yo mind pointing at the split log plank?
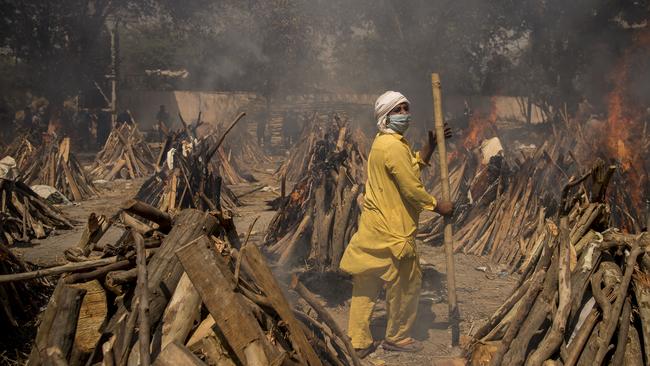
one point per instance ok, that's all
(176, 354)
(264, 278)
(229, 310)
(325, 316)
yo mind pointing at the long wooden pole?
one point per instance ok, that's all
(144, 335)
(454, 313)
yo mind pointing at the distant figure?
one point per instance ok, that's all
(162, 122)
(124, 117)
(261, 129)
(290, 129)
(28, 119)
(162, 116)
(103, 128)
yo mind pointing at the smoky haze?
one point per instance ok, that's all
(554, 52)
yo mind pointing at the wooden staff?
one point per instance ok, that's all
(454, 313)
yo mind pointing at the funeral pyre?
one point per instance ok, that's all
(187, 178)
(53, 164)
(317, 218)
(584, 296)
(125, 154)
(503, 195)
(24, 215)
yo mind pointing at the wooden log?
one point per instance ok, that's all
(229, 310)
(320, 229)
(149, 212)
(517, 321)
(183, 310)
(341, 222)
(325, 316)
(203, 330)
(554, 337)
(223, 136)
(214, 352)
(135, 224)
(176, 354)
(516, 354)
(129, 165)
(298, 237)
(142, 292)
(61, 333)
(164, 272)
(98, 273)
(95, 228)
(642, 293)
(74, 188)
(590, 348)
(116, 278)
(501, 312)
(633, 352)
(92, 316)
(261, 273)
(116, 168)
(70, 267)
(623, 332)
(40, 342)
(575, 347)
(609, 325)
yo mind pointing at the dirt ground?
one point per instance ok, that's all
(479, 293)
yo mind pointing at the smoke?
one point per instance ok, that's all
(555, 51)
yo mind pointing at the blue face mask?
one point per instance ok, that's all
(399, 122)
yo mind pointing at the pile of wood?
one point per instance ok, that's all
(55, 165)
(125, 154)
(501, 206)
(583, 298)
(185, 182)
(299, 154)
(194, 297)
(22, 149)
(227, 164)
(186, 176)
(21, 301)
(25, 216)
(242, 147)
(316, 220)
(501, 210)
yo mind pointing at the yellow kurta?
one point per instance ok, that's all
(393, 201)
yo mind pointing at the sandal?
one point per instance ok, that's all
(364, 352)
(409, 345)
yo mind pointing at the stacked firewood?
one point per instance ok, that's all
(584, 295)
(22, 149)
(24, 215)
(21, 301)
(186, 176)
(241, 146)
(185, 182)
(511, 205)
(316, 220)
(226, 164)
(501, 206)
(186, 292)
(55, 165)
(125, 154)
(296, 163)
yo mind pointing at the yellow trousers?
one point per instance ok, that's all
(402, 296)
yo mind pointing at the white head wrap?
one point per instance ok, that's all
(384, 104)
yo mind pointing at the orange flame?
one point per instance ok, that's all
(481, 126)
(623, 118)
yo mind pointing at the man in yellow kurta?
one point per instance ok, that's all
(382, 251)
